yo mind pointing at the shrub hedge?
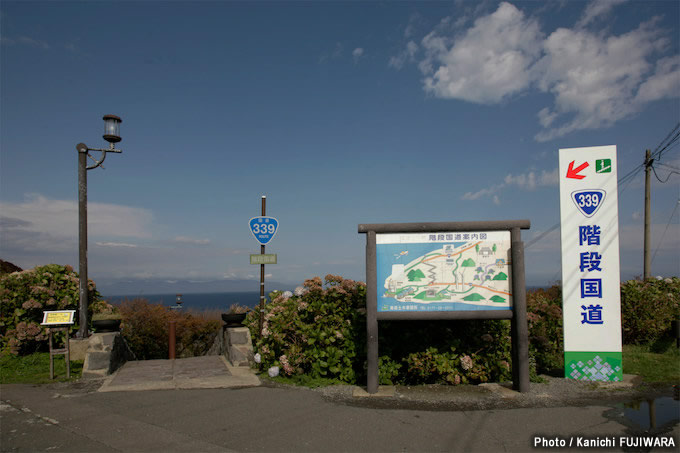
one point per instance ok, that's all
(145, 327)
(320, 332)
(25, 295)
(648, 307)
(315, 332)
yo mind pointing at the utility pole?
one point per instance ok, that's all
(647, 269)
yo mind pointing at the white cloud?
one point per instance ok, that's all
(115, 244)
(40, 230)
(527, 181)
(490, 62)
(595, 9)
(26, 41)
(192, 241)
(44, 224)
(665, 82)
(414, 21)
(357, 54)
(407, 55)
(336, 53)
(531, 180)
(595, 78)
(546, 117)
(481, 193)
(61, 217)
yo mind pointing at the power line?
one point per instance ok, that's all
(664, 231)
(665, 145)
(677, 126)
(669, 166)
(542, 235)
(630, 176)
(667, 177)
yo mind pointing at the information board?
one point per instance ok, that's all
(444, 271)
(57, 317)
(590, 263)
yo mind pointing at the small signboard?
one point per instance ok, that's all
(590, 263)
(268, 258)
(58, 317)
(444, 271)
(263, 228)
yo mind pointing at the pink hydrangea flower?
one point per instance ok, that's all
(466, 362)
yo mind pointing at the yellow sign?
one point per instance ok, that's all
(51, 318)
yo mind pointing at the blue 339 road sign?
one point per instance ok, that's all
(263, 228)
(588, 201)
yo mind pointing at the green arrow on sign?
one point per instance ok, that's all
(603, 166)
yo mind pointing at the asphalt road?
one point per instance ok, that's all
(75, 417)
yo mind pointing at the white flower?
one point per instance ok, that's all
(257, 358)
(287, 294)
(273, 371)
(300, 290)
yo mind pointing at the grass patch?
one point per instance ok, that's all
(303, 380)
(35, 369)
(652, 366)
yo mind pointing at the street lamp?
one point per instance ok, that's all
(111, 135)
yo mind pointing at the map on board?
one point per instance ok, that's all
(444, 271)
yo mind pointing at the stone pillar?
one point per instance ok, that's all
(239, 346)
(106, 352)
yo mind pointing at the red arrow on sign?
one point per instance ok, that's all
(574, 172)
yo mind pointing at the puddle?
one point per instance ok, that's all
(652, 414)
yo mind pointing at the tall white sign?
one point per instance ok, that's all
(590, 263)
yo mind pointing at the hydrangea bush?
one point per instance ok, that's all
(444, 352)
(648, 307)
(546, 337)
(25, 295)
(319, 331)
(314, 331)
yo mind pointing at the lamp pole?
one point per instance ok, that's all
(111, 135)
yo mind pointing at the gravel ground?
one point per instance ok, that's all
(554, 392)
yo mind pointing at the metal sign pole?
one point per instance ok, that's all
(264, 213)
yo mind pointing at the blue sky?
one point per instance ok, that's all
(340, 113)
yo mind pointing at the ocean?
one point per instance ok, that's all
(196, 301)
(209, 301)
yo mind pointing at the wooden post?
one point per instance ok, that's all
(172, 339)
(371, 315)
(520, 328)
(65, 351)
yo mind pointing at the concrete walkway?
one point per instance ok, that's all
(207, 372)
